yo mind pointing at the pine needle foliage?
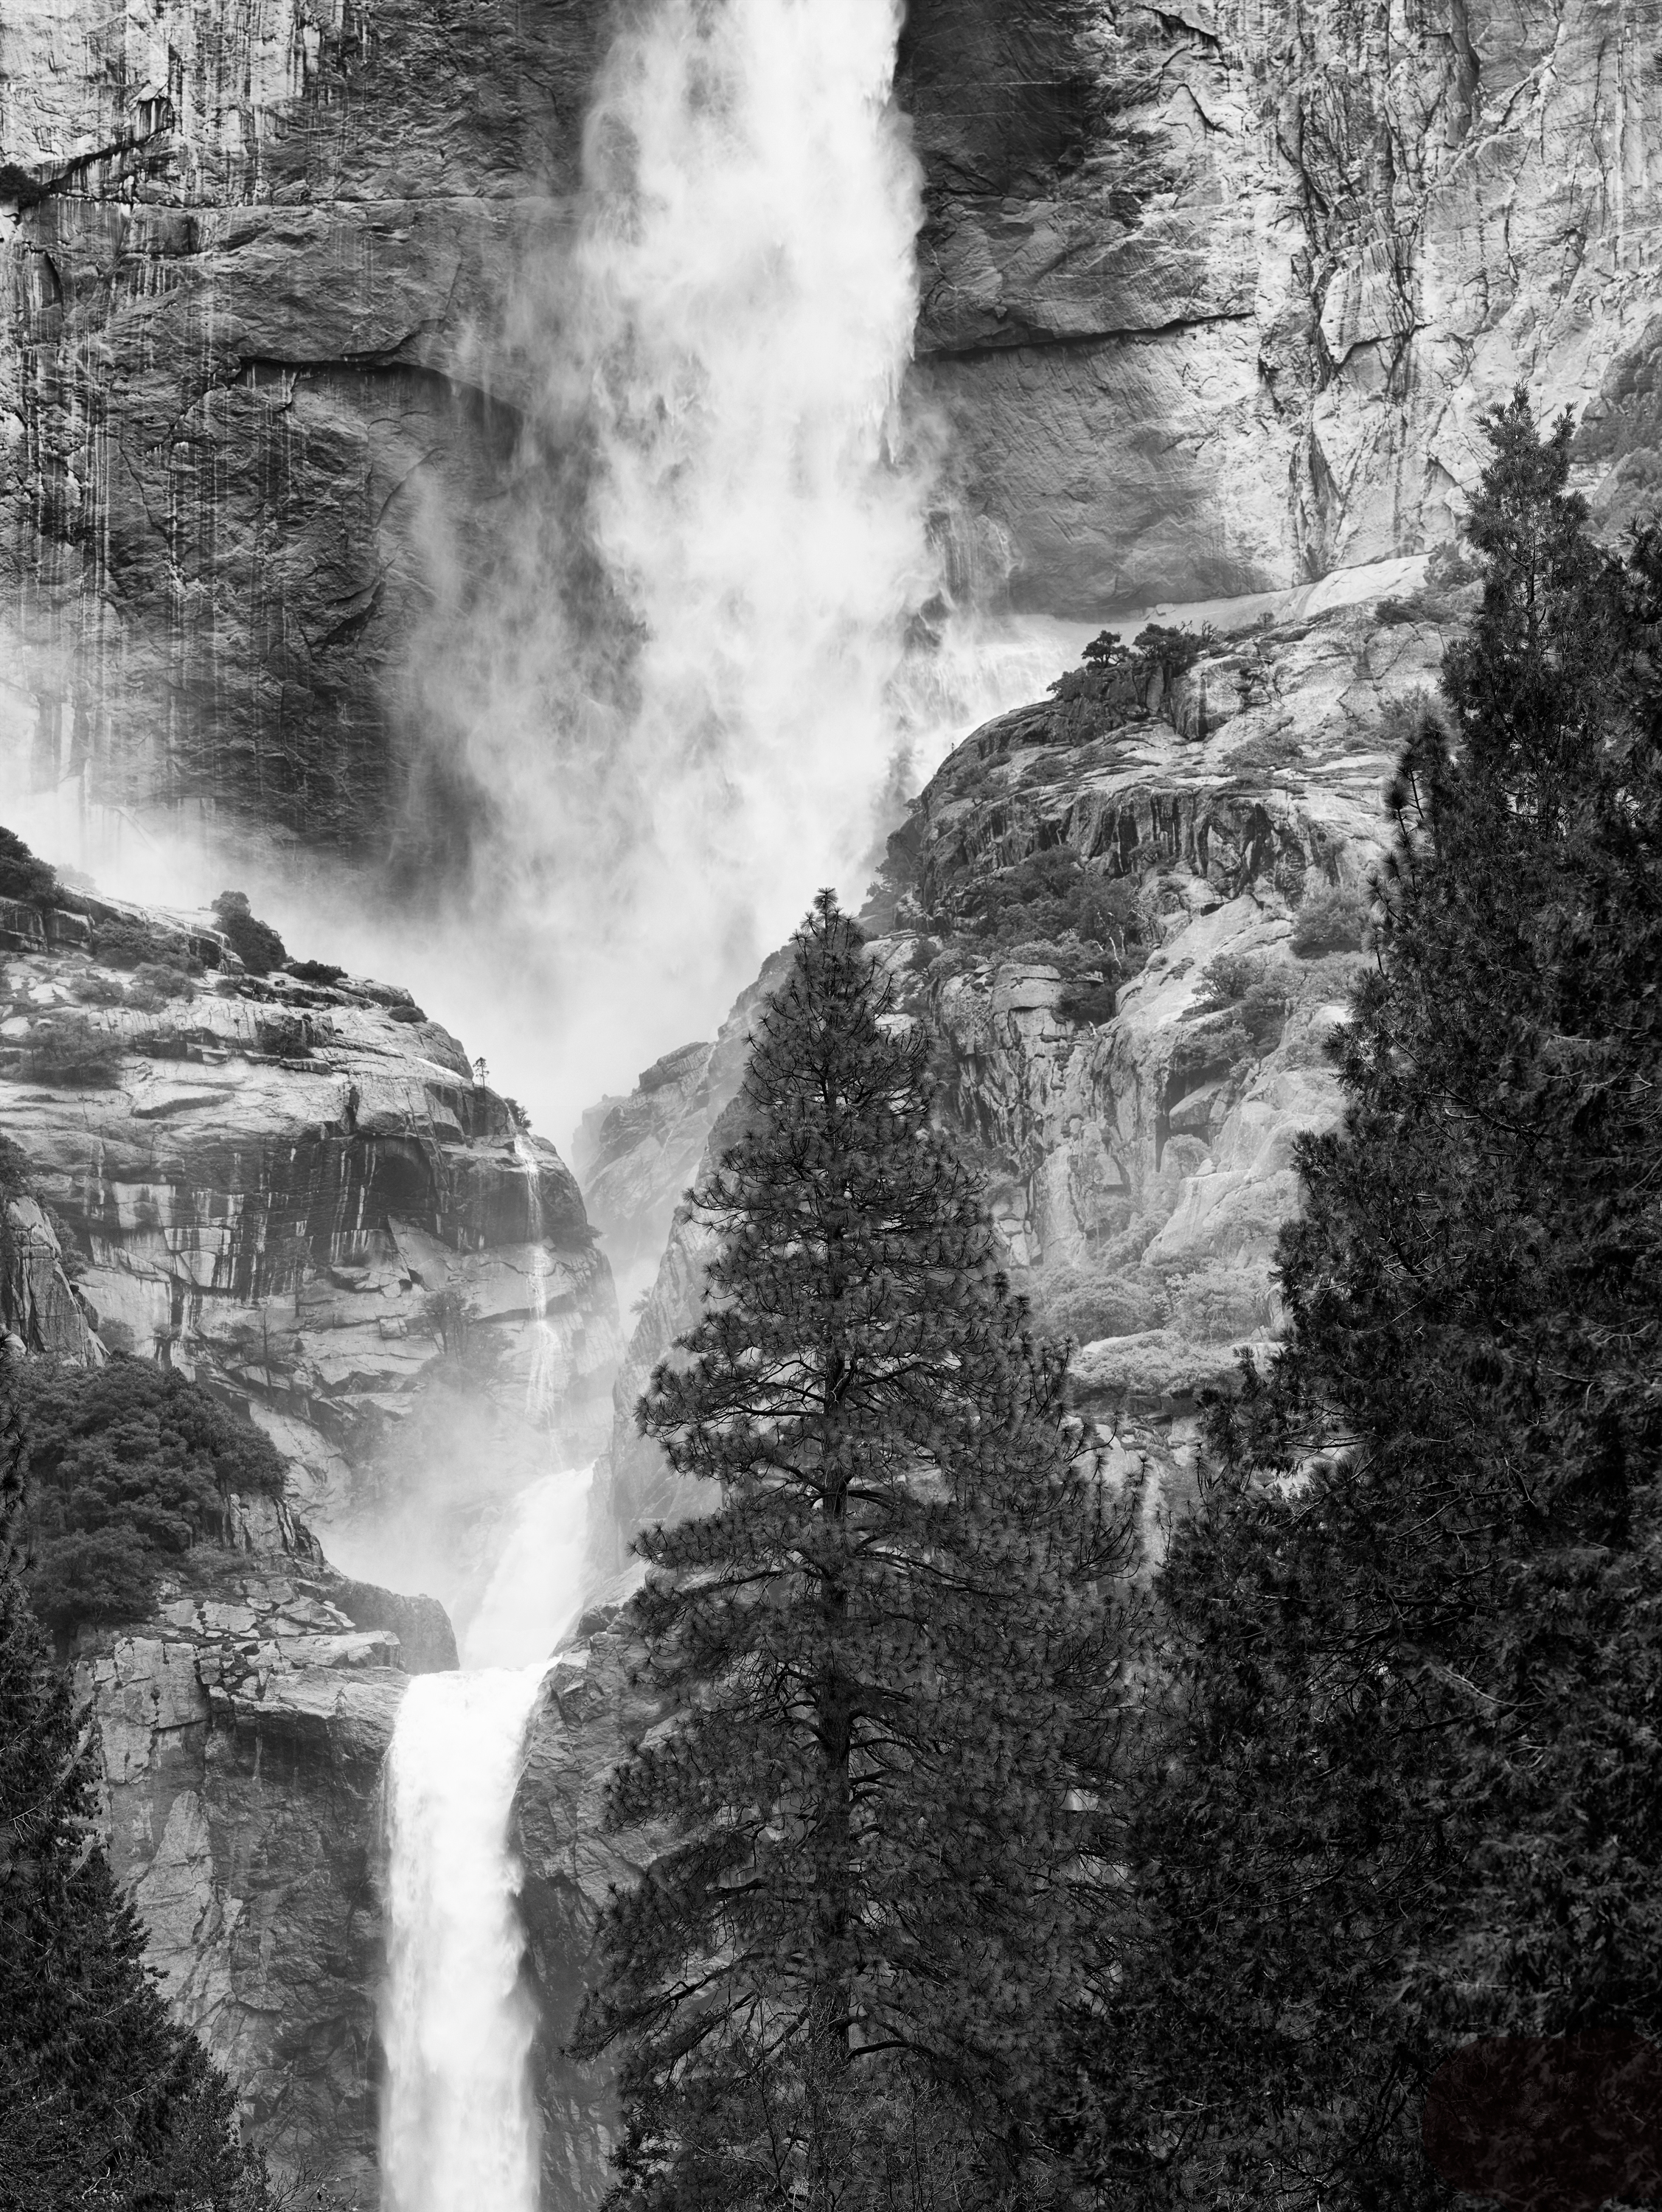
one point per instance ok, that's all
(883, 1649)
(104, 2101)
(1411, 1788)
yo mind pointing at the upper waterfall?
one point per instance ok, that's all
(679, 699)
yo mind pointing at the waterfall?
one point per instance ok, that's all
(459, 2124)
(533, 1596)
(677, 699)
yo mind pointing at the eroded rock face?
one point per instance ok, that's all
(1138, 1166)
(634, 1156)
(1211, 299)
(39, 1310)
(298, 1193)
(1213, 294)
(241, 1734)
(257, 263)
(586, 1716)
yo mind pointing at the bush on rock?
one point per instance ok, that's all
(128, 1465)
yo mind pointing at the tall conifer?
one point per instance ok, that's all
(1411, 1791)
(877, 1647)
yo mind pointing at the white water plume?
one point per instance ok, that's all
(458, 2122)
(691, 687)
(679, 698)
(534, 1595)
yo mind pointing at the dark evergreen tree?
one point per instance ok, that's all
(1410, 1785)
(883, 1650)
(104, 2101)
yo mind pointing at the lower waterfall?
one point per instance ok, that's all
(459, 2129)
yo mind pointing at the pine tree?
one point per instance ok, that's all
(881, 1651)
(1412, 1784)
(104, 2101)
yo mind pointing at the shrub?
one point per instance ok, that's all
(1210, 1050)
(1227, 1300)
(74, 1053)
(157, 983)
(255, 943)
(448, 1316)
(128, 1465)
(1331, 920)
(1050, 897)
(1256, 991)
(1089, 1303)
(94, 990)
(21, 875)
(126, 942)
(314, 971)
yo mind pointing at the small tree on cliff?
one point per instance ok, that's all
(1412, 1791)
(878, 1649)
(105, 2101)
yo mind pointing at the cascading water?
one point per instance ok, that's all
(732, 332)
(459, 2126)
(458, 2122)
(679, 701)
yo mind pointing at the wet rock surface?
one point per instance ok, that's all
(1212, 296)
(300, 1194)
(1139, 1164)
(240, 1733)
(258, 263)
(1211, 301)
(586, 1714)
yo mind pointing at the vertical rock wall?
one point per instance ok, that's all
(1213, 293)
(256, 387)
(1212, 296)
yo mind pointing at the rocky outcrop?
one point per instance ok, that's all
(1213, 294)
(297, 1192)
(586, 1714)
(1138, 1162)
(240, 1733)
(634, 1156)
(39, 1310)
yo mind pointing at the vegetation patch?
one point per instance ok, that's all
(23, 876)
(1117, 681)
(255, 943)
(124, 941)
(72, 1052)
(1331, 920)
(1087, 1304)
(1256, 992)
(128, 1466)
(1052, 898)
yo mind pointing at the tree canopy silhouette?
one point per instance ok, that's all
(1410, 1787)
(886, 1649)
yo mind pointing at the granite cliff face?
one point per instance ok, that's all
(253, 377)
(1138, 1165)
(297, 1193)
(586, 1713)
(241, 1734)
(1214, 294)
(1211, 299)
(293, 1189)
